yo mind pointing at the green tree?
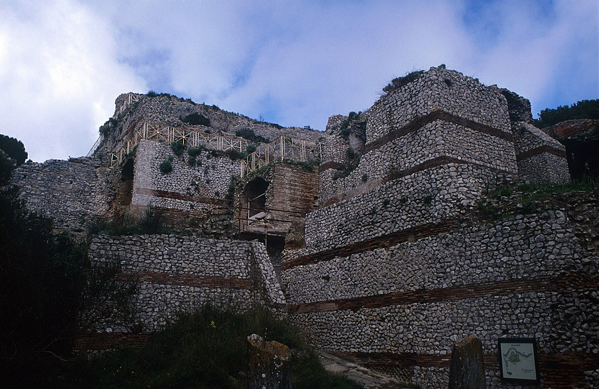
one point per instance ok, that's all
(584, 109)
(14, 148)
(41, 283)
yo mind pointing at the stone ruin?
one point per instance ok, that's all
(364, 234)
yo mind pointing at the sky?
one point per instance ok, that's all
(295, 63)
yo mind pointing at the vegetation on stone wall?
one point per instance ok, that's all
(525, 198)
(249, 134)
(345, 128)
(178, 148)
(108, 126)
(152, 222)
(166, 166)
(196, 119)
(398, 82)
(584, 109)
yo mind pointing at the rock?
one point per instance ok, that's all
(467, 369)
(270, 364)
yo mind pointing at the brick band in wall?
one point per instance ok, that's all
(431, 163)
(573, 281)
(193, 280)
(434, 116)
(540, 150)
(385, 241)
(553, 362)
(420, 122)
(435, 162)
(180, 196)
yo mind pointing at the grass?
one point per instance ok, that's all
(537, 192)
(151, 222)
(204, 349)
(527, 198)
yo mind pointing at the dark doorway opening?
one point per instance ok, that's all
(126, 192)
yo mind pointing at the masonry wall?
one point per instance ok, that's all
(201, 187)
(291, 194)
(178, 273)
(399, 303)
(540, 157)
(70, 192)
(440, 118)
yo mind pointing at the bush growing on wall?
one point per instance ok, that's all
(166, 167)
(178, 148)
(401, 81)
(249, 134)
(196, 119)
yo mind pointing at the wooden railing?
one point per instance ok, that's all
(283, 148)
(187, 135)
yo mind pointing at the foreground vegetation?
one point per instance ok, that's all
(204, 349)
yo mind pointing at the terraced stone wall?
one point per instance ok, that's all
(398, 303)
(442, 117)
(178, 273)
(540, 157)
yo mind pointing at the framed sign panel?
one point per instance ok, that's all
(519, 362)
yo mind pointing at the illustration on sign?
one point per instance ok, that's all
(518, 359)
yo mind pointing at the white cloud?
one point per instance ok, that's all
(59, 77)
(63, 63)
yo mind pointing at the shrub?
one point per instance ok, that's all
(178, 148)
(195, 151)
(584, 109)
(166, 167)
(250, 149)
(203, 349)
(233, 154)
(196, 119)
(249, 134)
(398, 82)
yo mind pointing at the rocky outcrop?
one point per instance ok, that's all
(467, 369)
(270, 364)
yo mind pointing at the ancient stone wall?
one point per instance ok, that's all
(402, 301)
(178, 273)
(165, 110)
(201, 186)
(390, 274)
(439, 118)
(70, 192)
(438, 89)
(540, 157)
(290, 193)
